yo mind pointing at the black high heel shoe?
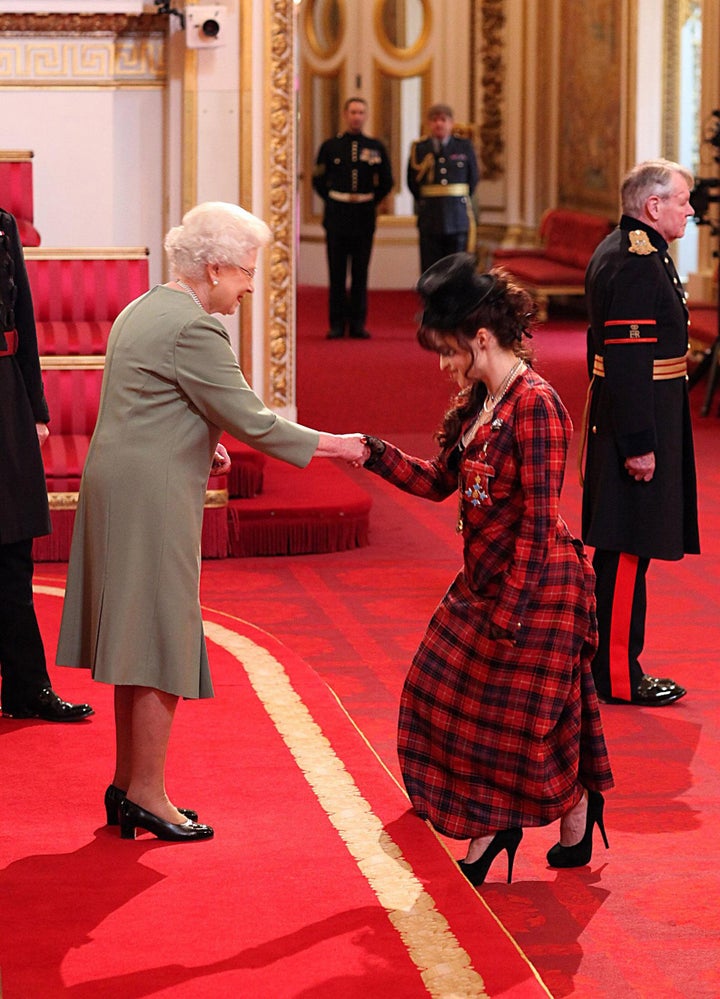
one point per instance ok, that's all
(114, 795)
(134, 817)
(508, 839)
(581, 853)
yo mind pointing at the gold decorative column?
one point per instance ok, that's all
(279, 214)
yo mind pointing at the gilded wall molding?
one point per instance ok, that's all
(82, 50)
(677, 14)
(281, 199)
(489, 18)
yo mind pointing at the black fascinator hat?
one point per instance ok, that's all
(451, 289)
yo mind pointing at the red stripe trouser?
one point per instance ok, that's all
(621, 608)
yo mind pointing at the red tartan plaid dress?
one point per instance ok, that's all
(494, 734)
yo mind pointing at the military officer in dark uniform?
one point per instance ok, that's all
(352, 175)
(639, 496)
(26, 691)
(442, 175)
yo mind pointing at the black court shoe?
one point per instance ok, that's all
(581, 853)
(508, 839)
(113, 797)
(134, 817)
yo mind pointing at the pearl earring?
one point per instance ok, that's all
(215, 281)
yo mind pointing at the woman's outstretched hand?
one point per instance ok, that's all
(349, 447)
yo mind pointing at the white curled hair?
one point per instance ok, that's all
(215, 232)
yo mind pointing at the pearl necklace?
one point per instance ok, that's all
(495, 399)
(191, 293)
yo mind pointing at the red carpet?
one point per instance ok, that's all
(319, 882)
(642, 921)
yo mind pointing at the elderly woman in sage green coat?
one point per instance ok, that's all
(171, 386)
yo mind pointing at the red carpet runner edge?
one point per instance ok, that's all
(319, 882)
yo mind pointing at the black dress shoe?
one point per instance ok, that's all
(359, 334)
(651, 692)
(134, 817)
(114, 796)
(48, 706)
(336, 333)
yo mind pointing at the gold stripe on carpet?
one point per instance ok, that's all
(445, 967)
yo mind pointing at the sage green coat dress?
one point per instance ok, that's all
(171, 386)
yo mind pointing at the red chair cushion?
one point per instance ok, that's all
(703, 330)
(540, 271)
(72, 338)
(571, 237)
(64, 459)
(65, 288)
(29, 236)
(16, 185)
(73, 397)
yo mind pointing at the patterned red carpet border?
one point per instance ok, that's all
(319, 882)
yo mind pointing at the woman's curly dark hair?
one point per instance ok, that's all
(509, 312)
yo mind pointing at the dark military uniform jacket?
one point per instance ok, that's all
(352, 175)
(637, 342)
(453, 169)
(23, 493)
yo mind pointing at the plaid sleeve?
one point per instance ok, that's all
(542, 434)
(429, 479)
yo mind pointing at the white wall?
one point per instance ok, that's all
(97, 168)
(650, 69)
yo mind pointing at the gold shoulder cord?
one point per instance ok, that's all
(425, 168)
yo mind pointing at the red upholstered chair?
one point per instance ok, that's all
(73, 397)
(77, 294)
(703, 330)
(72, 389)
(72, 338)
(16, 193)
(556, 267)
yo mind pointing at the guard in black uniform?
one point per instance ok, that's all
(352, 175)
(442, 175)
(24, 514)
(640, 494)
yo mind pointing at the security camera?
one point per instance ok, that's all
(205, 26)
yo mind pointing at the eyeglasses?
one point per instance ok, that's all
(245, 270)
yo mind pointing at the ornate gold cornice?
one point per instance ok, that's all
(95, 60)
(489, 89)
(279, 216)
(83, 24)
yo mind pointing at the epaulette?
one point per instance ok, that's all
(640, 243)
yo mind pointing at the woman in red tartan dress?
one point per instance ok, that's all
(499, 723)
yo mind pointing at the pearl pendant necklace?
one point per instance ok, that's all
(191, 293)
(491, 401)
